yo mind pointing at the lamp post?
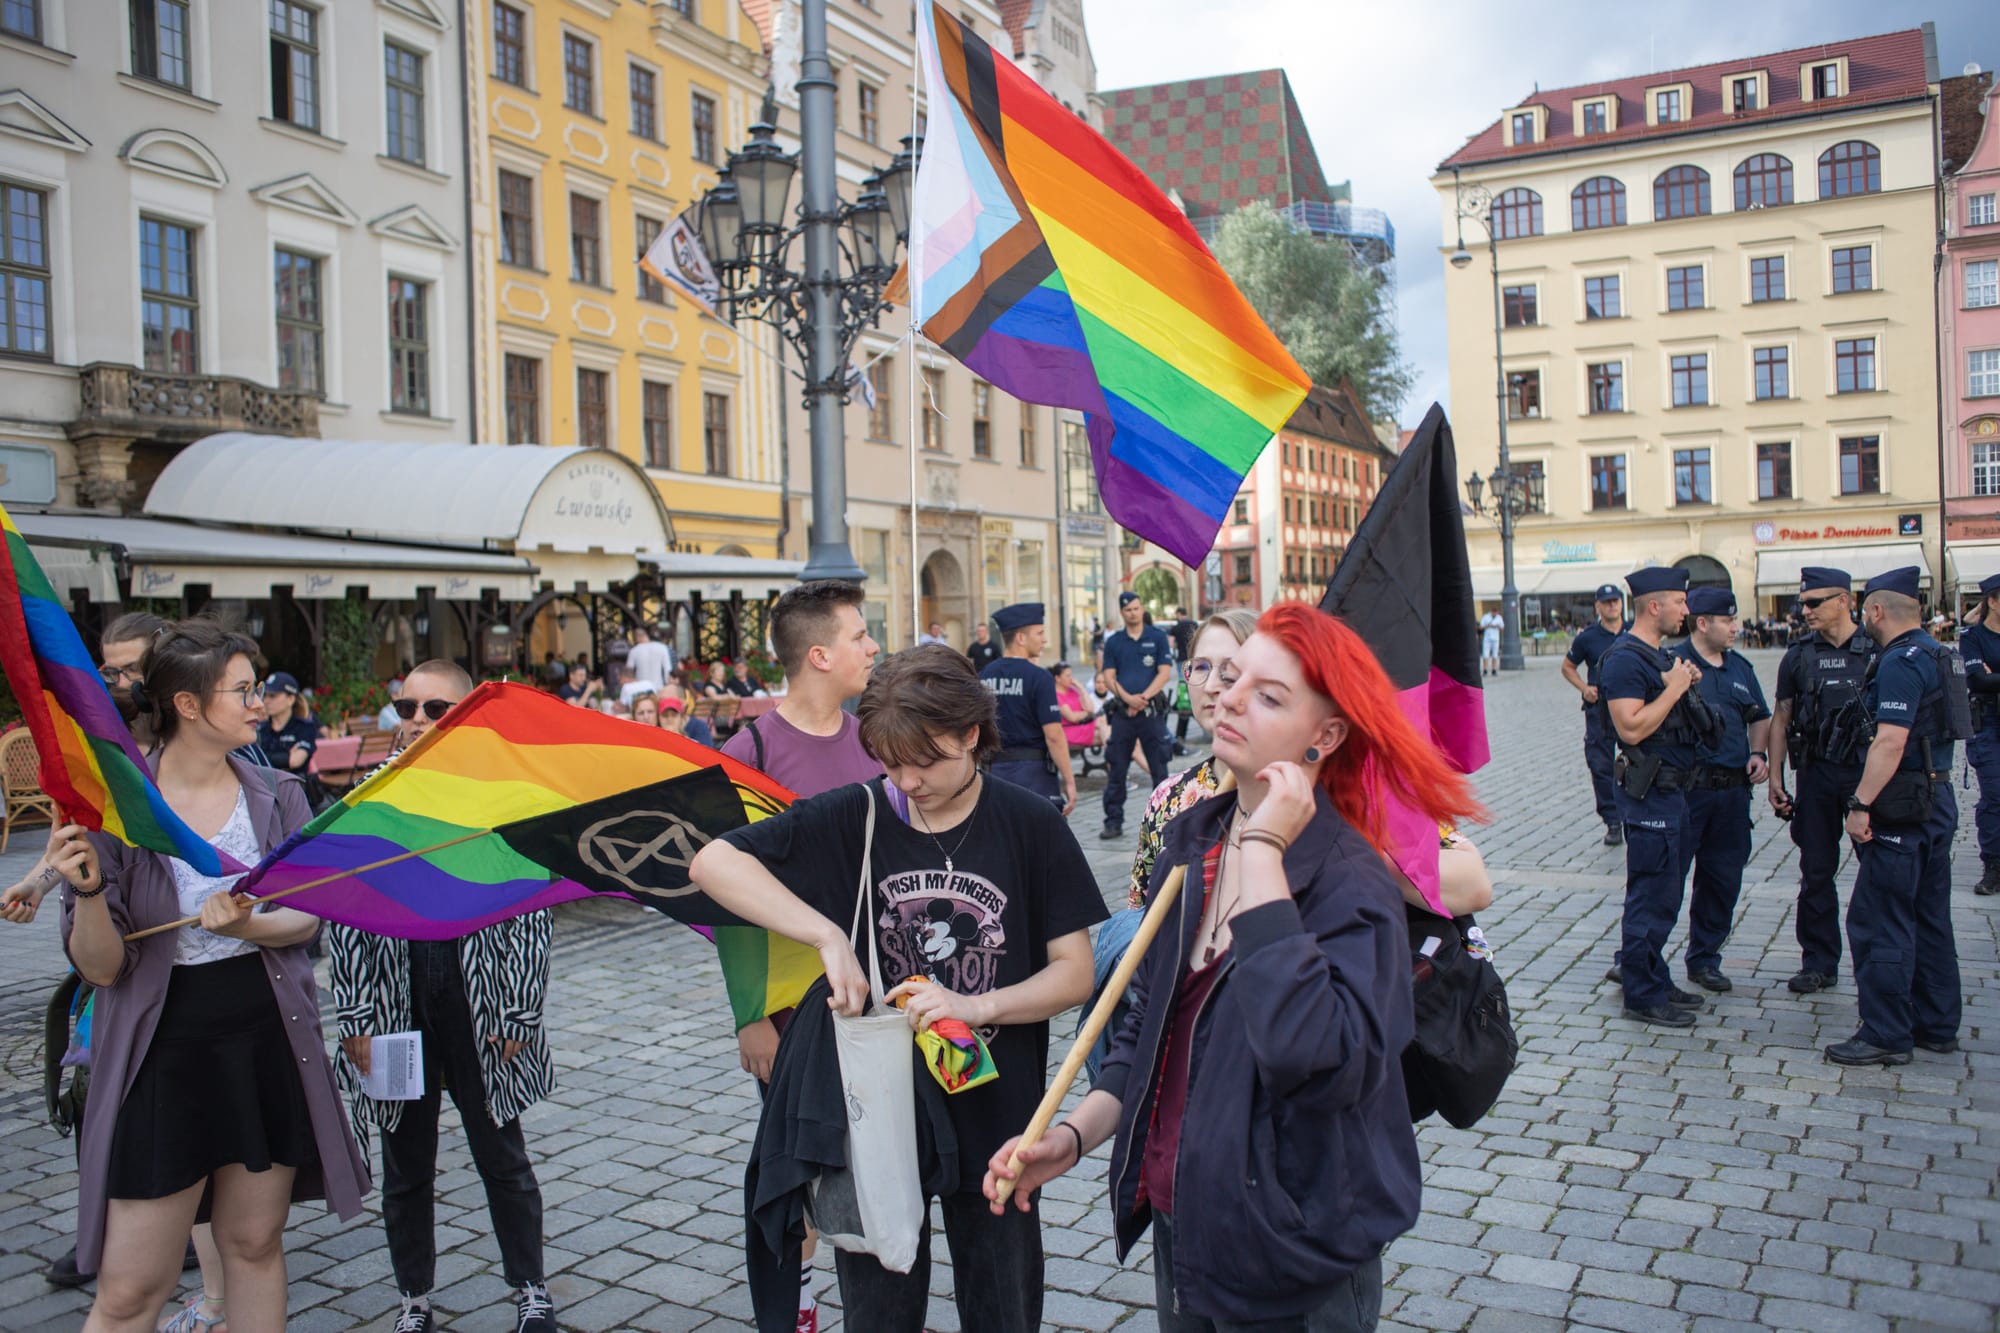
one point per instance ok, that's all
(1476, 202)
(818, 308)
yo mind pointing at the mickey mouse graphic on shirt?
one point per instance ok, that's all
(945, 925)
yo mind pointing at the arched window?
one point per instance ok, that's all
(1516, 213)
(1763, 181)
(1598, 202)
(1854, 167)
(1680, 192)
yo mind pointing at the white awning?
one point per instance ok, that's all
(1972, 563)
(162, 558)
(1778, 571)
(714, 577)
(1582, 577)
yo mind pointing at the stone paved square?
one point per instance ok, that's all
(1720, 1178)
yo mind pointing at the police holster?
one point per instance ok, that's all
(1908, 796)
(1636, 773)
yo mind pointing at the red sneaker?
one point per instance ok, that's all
(809, 1319)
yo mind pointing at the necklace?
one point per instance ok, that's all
(925, 823)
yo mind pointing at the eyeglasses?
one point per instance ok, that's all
(114, 676)
(1815, 603)
(434, 709)
(251, 695)
(1199, 670)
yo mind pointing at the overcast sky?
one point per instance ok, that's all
(1389, 89)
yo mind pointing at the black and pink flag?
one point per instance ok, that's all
(1405, 585)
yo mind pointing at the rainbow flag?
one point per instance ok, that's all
(89, 762)
(1053, 268)
(505, 754)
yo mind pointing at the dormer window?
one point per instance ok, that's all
(1593, 117)
(1743, 95)
(1666, 106)
(1820, 80)
(1825, 81)
(1524, 127)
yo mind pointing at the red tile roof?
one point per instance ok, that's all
(1221, 141)
(1884, 68)
(1334, 413)
(1014, 16)
(1961, 114)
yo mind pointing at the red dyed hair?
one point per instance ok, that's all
(1383, 756)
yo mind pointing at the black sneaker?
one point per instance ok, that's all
(1662, 1015)
(1685, 999)
(1989, 880)
(1614, 836)
(537, 1312)
(1939, 1045)
(415, 1318)
(1808, 981)
(62, 1273)
(1111, 833)
(1855, 1051)
(1615, 973)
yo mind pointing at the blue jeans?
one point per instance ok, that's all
(996, 1273)
(1352, 1308)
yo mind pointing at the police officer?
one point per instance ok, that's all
(1657, 715)
(1715, 837)
(1979, 645)
(1585, 650)
(1817, 721)
(1034, 752)
(1136, 664)
(1902, 817)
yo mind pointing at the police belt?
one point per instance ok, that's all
(1021, 754)
(1711, 777)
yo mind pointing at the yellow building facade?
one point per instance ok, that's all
(592, 124)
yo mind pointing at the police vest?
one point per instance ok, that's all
(1827, 720)
(1976, 643)
(1689, 722)
(1944, 712)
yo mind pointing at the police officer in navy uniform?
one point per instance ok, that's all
(1136, 665)
(1585, 650)
(1902, 817)
(1715, 837)
(1979, 645)
(1034, 752)
(1660, 719)
(1817, 721)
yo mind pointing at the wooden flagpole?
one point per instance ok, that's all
(1100, 1014)
(317, 883)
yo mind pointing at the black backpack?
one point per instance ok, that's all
(1464, 1047)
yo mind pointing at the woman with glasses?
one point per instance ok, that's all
(1256, 1089)
(211, 1096)
(477, 1001)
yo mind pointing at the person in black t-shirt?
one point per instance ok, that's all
(981, 905)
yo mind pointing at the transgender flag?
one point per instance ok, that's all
(1405, 586)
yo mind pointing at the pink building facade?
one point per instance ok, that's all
(1969, 334)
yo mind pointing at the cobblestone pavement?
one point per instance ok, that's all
(1720, 1178)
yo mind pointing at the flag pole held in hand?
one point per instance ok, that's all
(1100, 1016)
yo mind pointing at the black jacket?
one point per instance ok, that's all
(1297, 1159)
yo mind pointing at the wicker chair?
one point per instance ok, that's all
(21, 783)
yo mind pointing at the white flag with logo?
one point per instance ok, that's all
(859, 382)
(676, 258)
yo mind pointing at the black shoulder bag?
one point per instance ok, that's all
(1464, 1047)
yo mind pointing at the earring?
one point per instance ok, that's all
(1312, 754)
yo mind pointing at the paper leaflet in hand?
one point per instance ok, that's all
(955, 1054)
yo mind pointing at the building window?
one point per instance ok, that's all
(1690, 375)
(1854, 269)
(301, 323)
(1239, 510)
(1982, 283)
(702, 113)
(1533, 490)
(523, 377)
(645, 231)
(585, 247)
(882, 415)
(22, 18)
(1030, 450)
(409, 347)
(579, 74)
(24, 271)
(294, 64)
(1240, 567)
(1601, 298)
(1767, 278)
(1685, 288)
(1854, 167)
(1607, 386)
(1986, 469)
(169, 306)
(1861, 465)
(160, 41)
(1607, 482)
(1524, 127)
(1854, 365)
(1667, 106)
(982, 419)
(1825, 81)
(1772, 370)
(656, 423)
(870, 99)
(517, 219)
(1516, 213)
(1595, 118)
(593, 410)
(1774, 471)
(1743, 94)
(1763, 181)
(1524, 393)
(686, 9)
(715, 433)
(1982, 374)
(1979, 211)
(510, 45)
(403, 80)
(1598, 202)
(934, 410)
(1693, 484)
(643, 87)
(1519, 305)
(1680, 192)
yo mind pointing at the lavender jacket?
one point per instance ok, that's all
(139, 889)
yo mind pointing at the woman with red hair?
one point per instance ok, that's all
(1256, 1088)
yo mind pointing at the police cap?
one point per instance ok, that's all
(1658, 578)
(1819, 576)
(1989, 585)
(1609, 593)
(1019, 616)
(1903, 580)
(1711, 602)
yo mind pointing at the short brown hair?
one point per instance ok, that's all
(804, 619)
(132, 627)
(454, 676)
(919, 694)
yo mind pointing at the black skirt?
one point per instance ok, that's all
(219, 1086)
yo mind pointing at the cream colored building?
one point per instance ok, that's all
(1719, 343)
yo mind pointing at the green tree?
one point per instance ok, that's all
(1330, 311)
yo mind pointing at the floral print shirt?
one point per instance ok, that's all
(1178, 793)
